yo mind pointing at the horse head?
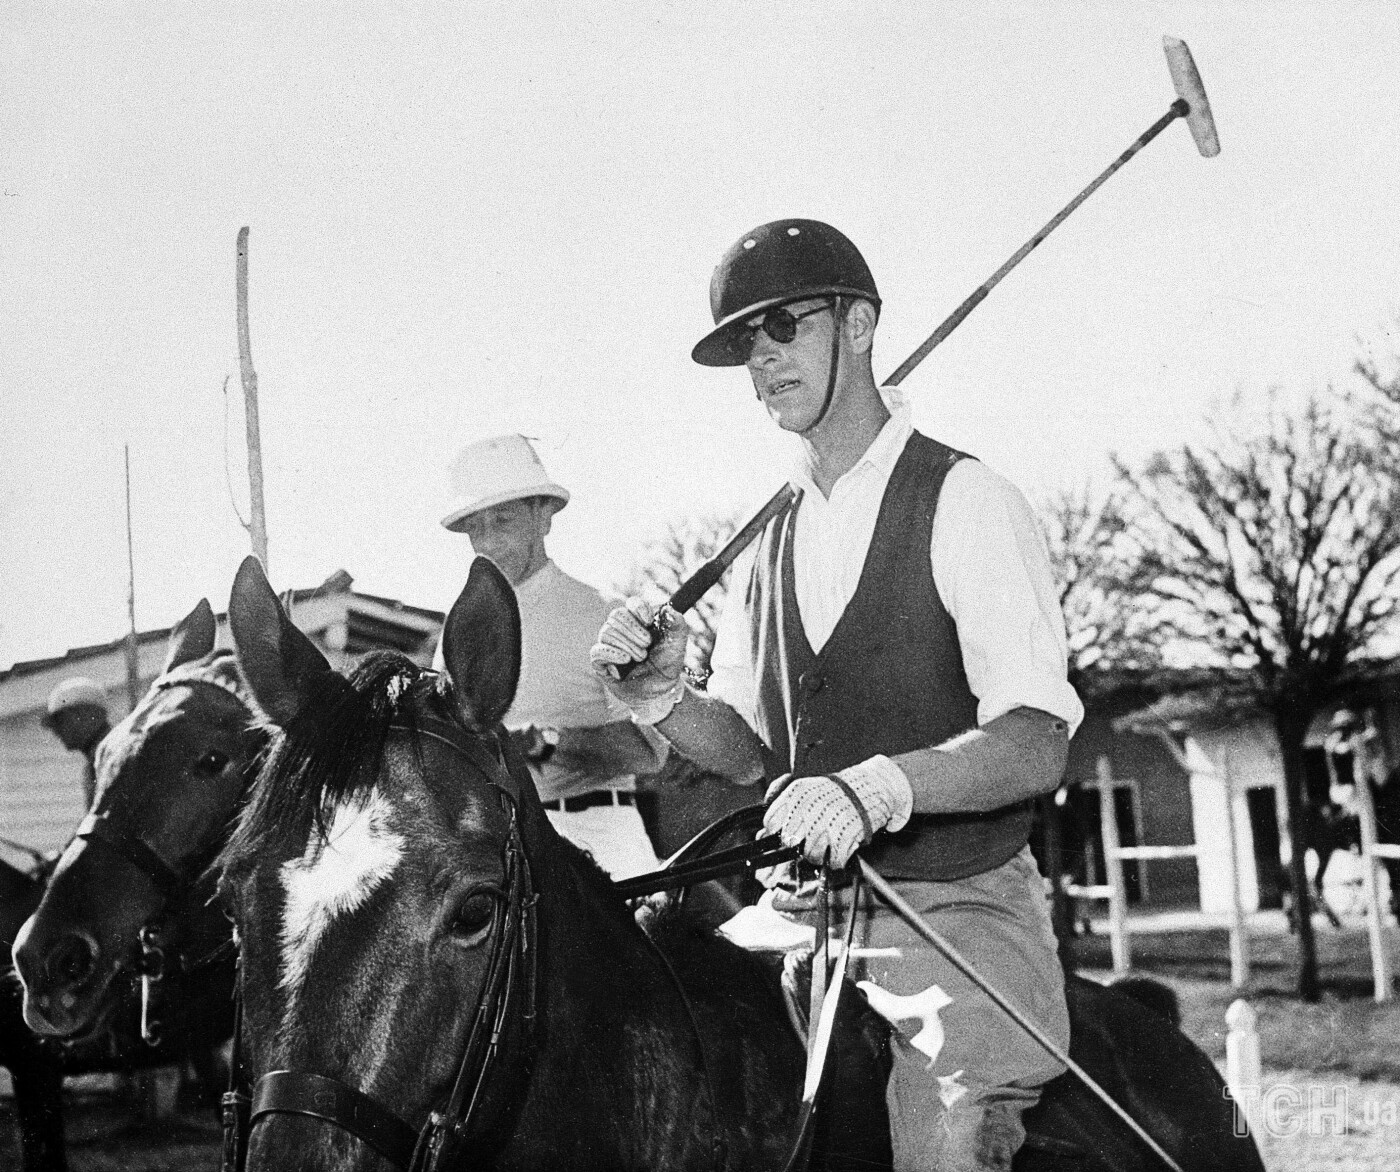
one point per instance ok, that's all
(168, 777)
(378, 880)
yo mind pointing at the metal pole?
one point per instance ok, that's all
(258, 521)
(133, 665)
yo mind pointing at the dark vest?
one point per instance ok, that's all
(890, 678)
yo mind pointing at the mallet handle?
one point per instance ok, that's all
(693, 588)
(1178, 109)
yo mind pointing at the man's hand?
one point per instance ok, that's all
(832, 817)
(536, 745)
(626, 637)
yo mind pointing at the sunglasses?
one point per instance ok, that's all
(779, 323)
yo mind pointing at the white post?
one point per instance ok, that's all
(1113, 865)
(1370, 879)
(1243, 1072)
(1239, 947)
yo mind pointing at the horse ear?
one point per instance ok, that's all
(190, 638)
(481, 645)
(280, 664)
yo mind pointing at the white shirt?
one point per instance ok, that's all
(559, 622)
(990, 567)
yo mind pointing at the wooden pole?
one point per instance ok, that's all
(1113, 864)
(1370, 878)
(258, 521)
(1239, 949)
(133, 665)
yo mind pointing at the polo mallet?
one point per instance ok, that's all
(1191, 104)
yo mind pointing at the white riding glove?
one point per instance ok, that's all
(832, 817)
(655, 686)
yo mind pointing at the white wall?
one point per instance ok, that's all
(1248, 756)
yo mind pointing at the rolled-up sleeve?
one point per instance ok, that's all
(992, 572)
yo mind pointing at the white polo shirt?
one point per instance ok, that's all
(559, 622)
(990, 568)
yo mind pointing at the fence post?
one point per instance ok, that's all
(1113, 865)
(1243, 1073)
(1370, 880)
(1239, 949)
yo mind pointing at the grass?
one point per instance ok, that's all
(1345, 1032)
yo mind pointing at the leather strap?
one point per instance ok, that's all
(762, 852)
(134, 849)
(288, 1092)
(846, 789)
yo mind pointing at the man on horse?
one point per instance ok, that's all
(584, 751)
(893, 646)
(77, 715)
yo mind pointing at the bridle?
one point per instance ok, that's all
(168, 878)
(510, 977)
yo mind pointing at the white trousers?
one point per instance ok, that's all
(613, 835)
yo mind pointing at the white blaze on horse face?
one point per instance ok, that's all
(333, 878)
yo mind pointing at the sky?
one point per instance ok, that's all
(473, 219)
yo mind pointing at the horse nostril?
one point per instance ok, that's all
(72, 960)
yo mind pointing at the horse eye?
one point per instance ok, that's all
(213, 762)
(472, 918)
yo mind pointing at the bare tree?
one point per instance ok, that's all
(1092, 556)
(1273, 551)
(668, 560)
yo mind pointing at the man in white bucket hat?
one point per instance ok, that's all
(76, 714)
(588, 750)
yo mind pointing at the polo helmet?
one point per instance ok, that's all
(787, 260)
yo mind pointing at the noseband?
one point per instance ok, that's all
(510, 975)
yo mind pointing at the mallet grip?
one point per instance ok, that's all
(693, 588)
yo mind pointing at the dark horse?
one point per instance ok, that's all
(425, 960)
(34, 1071)
(126, 901)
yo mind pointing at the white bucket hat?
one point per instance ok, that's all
(77, 692)
(493, 471)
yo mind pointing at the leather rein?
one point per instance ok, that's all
(510, 976)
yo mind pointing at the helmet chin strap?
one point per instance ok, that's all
(835, 362)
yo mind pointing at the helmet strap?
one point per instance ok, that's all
(834, 364)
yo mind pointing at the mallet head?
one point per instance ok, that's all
(1187, 80)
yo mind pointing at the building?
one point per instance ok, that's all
(1176, 745)
(40, 783)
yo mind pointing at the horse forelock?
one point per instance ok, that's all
(329, 755)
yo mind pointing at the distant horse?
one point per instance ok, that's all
(34, 1071)
(428, 970)
(126, 906)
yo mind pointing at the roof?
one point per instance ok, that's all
(1204, 699)
(371, 622)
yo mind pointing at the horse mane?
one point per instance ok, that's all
(331, 750)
